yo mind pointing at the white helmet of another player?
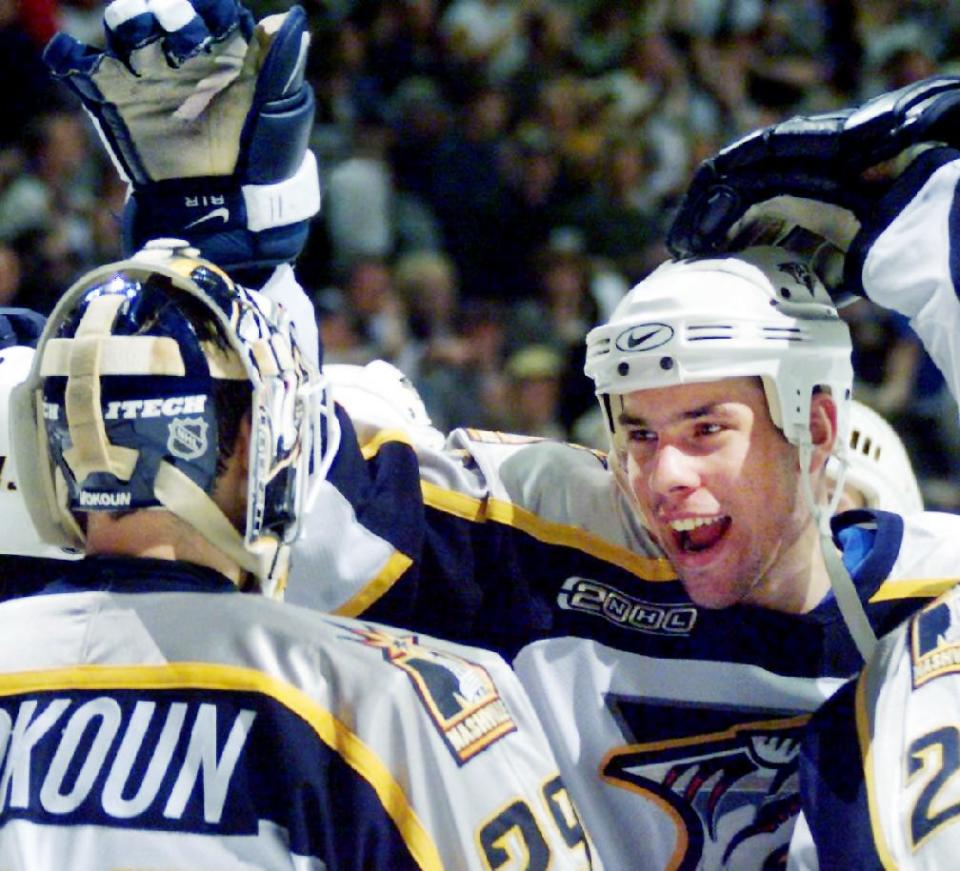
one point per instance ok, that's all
(17, 532)
(878, 465)
(758, 312)
(379, 397)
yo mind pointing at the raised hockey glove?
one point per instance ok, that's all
(815, 178)
(208, 117)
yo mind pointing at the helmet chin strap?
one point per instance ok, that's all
(851, 608)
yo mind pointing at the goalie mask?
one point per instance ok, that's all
(759, 312)
(129, 388)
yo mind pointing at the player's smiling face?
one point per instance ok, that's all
(720, 486)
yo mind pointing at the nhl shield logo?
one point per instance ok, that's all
(187, 438)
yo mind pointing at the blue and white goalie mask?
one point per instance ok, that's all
(133, 382)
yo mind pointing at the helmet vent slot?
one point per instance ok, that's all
(696, 332)
(790, 334)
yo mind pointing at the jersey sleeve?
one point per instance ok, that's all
(469, 542)
(912, 264)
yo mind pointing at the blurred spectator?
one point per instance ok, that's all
(547, 32)
(341, 342)
(466, 189)
(558, 318)
(360, 201)
(472, 392)
(405, 42)
(53, 187)
(484, 38)
(534, 377)
(426, 282)
(378, 316)
(27, 85)
(105, 219)
(10, 275)
(618, 219)
(604, 38)
(535, 200)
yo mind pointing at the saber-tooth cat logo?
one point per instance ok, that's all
(459, 695)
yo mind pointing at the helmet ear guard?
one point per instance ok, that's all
(119, 410)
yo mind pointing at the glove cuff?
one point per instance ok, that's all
(237, 226)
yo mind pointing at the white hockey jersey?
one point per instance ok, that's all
(676, 728)
(879, 761)
(152, 717)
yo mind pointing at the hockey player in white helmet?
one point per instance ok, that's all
(879, 759)
(163, 718)
(380, 398)
(17, 535)
(25, 560)
(720, 379)
(879, 473)
(676, 723)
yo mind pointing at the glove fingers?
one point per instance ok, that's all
(186, 33)
(222, 16)
(65, 56)
(128, 25)
(941, 122)
(183, 29)
(282, 71)
(703, 220)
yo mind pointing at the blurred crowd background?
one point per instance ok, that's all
(497, 173)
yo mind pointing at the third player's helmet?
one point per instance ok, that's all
(759, 312)
(123, 405)
(878, 465)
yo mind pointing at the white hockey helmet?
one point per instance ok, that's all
(378, 397)
(878, 464)
(18, 535)
(119, 409)
(757, 312)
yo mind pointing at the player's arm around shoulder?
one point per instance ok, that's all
(907, 259)
(909, 735)
(453, 749)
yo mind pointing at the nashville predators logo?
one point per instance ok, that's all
(732, 794)
(459, 695)
(935, 642)
(799, 273)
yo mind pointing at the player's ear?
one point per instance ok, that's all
(823, 427)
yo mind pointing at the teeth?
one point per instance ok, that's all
(689, 523)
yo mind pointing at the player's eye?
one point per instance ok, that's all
(706, 429)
